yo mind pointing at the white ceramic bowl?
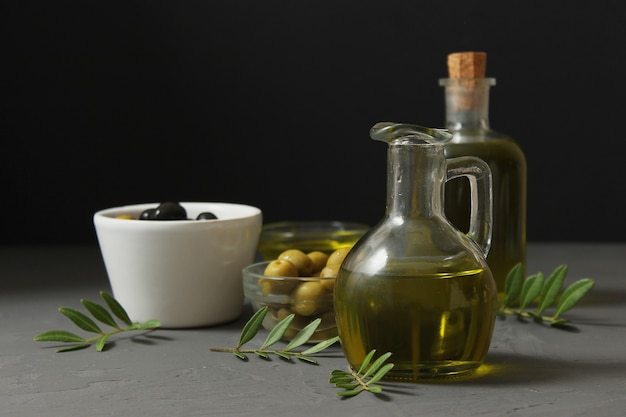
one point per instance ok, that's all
(184, 273)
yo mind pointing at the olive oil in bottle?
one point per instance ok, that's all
(467, 118)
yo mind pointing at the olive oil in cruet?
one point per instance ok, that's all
(415, 285)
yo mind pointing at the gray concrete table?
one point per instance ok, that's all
(531, 369)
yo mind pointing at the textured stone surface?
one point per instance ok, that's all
(531, 370)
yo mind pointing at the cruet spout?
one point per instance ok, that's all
(390, 132)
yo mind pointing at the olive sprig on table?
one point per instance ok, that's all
(352, 382)
(252, 327)
(521, 292)
(101, 314)
(355, 381)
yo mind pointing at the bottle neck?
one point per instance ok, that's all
(467, 102)
(415, 180)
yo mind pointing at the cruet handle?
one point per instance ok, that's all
(479, 175)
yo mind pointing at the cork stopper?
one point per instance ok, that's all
(467, 88)
(467, 65)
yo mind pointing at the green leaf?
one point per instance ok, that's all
(100, 313)
(350, 393)
(101, 342)
(116, 308)
(74, 347)
(253, 325)
(530, 290)
(278, 331)
(374, 388)
(321, 346)
(340, 379)
(380, 374)
(513, 284)
(559, 322)
(86, 323)
(366, 361)
(338, 372)
(262, 354)
(283, 355)
(240, 356)
(377, 364)
(58, 336)
(572, 295)
(80, 320)
(551, 288)
(303, 335)
(347, 385)
(149, 325)
(306, 359)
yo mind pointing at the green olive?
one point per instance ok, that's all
(328, 284)
(330, 271)
(337, 257)
(278, 268)
(303, 263)
(328, 274)
(306, 299)
(283, 313)
(281, 268)
(296, 324)
(277, 286)
(309, 299)
(319, 260)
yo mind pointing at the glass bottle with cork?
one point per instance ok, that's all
(467, 118)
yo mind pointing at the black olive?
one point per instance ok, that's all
(147, 214)
(170, 211)
(207, 215)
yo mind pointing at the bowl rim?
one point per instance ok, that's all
(248, 271)
(108, 214)
(312, 227)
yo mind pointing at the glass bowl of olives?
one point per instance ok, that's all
(179, 263)
(296, 283)
(308, 236)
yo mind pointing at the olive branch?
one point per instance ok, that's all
(251, 328)
(365, 378)
(352, 382)
(520, 293)
(85, 323)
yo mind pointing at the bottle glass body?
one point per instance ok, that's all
(467, 107)
(414, 285)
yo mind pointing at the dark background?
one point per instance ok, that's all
(270, 103)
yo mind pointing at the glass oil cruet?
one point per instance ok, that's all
(415, 285)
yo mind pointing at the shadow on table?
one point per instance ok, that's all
(508, 368)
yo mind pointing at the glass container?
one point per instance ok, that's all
(414, 285)
(467, 118)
